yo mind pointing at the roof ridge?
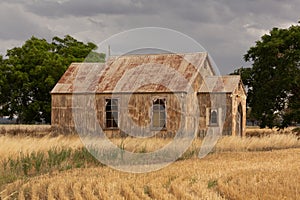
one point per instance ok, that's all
(159, 54)
(80, 63)
(226, 76)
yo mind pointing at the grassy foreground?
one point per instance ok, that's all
(227, 175)
(44, 167)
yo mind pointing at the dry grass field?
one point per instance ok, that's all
(25, 130)
(266, 167)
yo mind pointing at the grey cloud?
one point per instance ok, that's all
(17, 25)
(226, 28)
(206, 11)
(85, 8)
(273, 9)
(97, 22)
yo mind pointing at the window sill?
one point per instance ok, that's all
(158, 129)
(109, 129)
(213, 125)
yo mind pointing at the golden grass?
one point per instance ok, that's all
(256, 131)
(25, 130)
(12, 146)
(227, 175)
(239, 168)
(269, 142)
(263, 184)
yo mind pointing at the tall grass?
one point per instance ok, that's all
(36, 163)
(12, 146)
(25, 130)
(257, 132)
(234, 175)
(31, 156)
(261, 184)
(23, 157)
(16, 145)
(269, 142)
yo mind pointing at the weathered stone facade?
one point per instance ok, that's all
(209, 101)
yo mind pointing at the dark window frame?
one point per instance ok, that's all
(159, 109)
(213, 118)
(112, 113)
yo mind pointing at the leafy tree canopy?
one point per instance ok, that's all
(274, 80)
(28, 74)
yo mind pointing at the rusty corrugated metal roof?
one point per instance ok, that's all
(220, 84)
(130, 73)
(80, 77)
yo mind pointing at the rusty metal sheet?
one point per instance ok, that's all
(220, 84)
(173, 71)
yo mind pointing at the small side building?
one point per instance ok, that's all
(229, 95)
(151, 93)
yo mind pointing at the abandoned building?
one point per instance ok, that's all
(151, 91)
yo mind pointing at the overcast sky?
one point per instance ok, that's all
(225, 28)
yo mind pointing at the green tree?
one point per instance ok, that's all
(274, 80)
(29, 73)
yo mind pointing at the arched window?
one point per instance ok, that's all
(159, 113)
(213, 117)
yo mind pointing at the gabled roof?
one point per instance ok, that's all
(127, 73)
(219, 84)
